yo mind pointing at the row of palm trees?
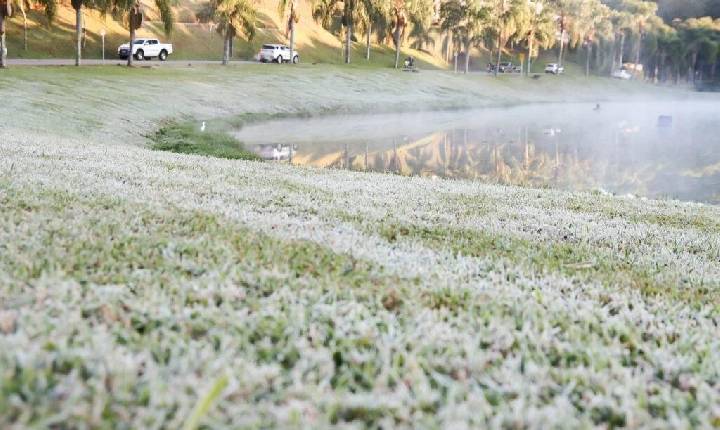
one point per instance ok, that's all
(128, 11)
(611, 32)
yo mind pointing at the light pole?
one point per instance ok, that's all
(102, 35)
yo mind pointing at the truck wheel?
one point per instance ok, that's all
(296, 59)
(279, 59)
(140, 55)
(163, 55)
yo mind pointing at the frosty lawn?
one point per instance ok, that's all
(132, 281)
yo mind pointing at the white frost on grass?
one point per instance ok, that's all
(478, 341)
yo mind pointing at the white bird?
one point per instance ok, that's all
(202, 127)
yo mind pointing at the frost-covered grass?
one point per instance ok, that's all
(133, 282)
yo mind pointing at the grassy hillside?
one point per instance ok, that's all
(134, 283)
(213, 92)
(192, 40)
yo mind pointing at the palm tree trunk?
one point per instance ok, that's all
(529, 54)
(562, 38)
(367, 42)
(292, 33)
(693, 67)
(447, 46)
(25, 25)
(587, 60)
(348, 36)
(467, 57)
(78, 35)
(2, 40)
(396, 36)
(132, 40)
(562, 47)
(226, 49)
(499, 54)
(622, 49)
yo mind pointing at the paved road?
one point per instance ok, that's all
(110, 62)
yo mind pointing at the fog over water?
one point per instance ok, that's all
(622, 148)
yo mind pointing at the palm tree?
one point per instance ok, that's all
(324, 11)
(698, 35)
(5, 12)
(642, 11)
(588, 20)
(77, 5)
(288, 7)
(452, 14)
(622, 22)
(350, 10)
(6, 9)
(402, 12)
(374, 17)
(569, 19)
(22, 6)
(51, 6)
(232, 17)
(421, 31)
(474, 23)
(133, 13)
(506, 13)
(539, 27)
(399, 24)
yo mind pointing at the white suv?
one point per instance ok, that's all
(622, 74)
(277, 54)
(555, 69)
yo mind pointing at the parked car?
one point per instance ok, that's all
(554, 68)
(277, 53)
(146, 49)
(506, 68)
(622, 74)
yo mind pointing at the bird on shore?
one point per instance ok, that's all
(202, 127)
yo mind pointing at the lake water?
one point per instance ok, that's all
(656, 150)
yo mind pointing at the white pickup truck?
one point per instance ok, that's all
(145, 49)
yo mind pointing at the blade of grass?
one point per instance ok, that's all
(205, 402)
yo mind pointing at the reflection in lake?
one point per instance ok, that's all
(654, 150)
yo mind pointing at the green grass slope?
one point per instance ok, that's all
(146, 289)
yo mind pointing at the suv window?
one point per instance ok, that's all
(139, 42)
(268, 47)
(153, 42)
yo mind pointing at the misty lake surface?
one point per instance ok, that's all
(655, 150)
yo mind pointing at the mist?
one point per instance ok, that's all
(655, 149)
